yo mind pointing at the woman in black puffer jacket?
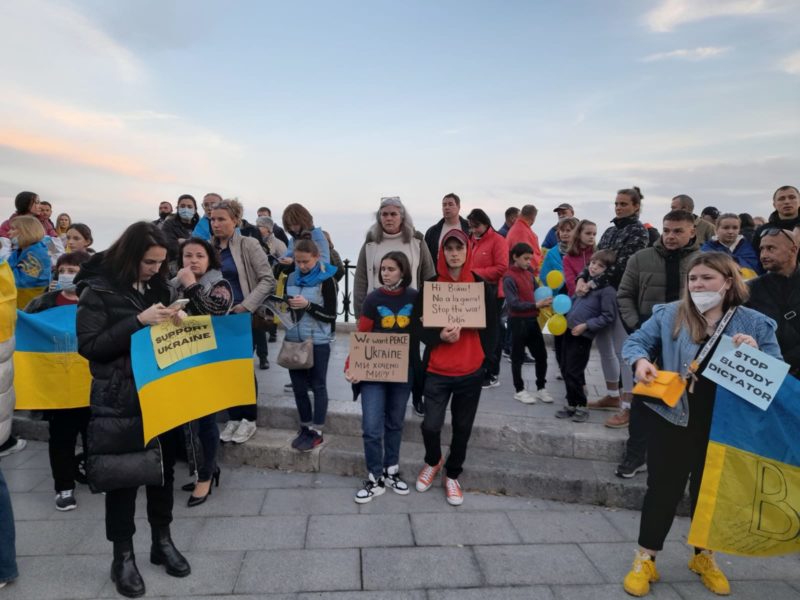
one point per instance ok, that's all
(121, 291)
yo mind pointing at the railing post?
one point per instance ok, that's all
(346, 296)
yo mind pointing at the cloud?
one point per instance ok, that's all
(691, 54)
(671, 13)
(791, 64)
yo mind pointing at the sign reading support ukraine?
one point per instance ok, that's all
(749, 500)
(210, 378)
(49, 373)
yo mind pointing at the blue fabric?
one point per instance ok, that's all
(307, 327)
(553, 261)
(315, 378)
(551, 239)
(598, 309)
(319, 239)
(654, 339)
(744, 254)
(383, 410)
(231, 275)
(8, 552)
(51, 330)
(31, 266)
(203, 229)
(315, 276)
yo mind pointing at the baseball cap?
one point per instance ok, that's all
(563, 206)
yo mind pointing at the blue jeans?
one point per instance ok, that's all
(383, 409)
(8, 553)
(316, 376)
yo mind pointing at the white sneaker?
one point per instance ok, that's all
(244, 432)
(19, 446)
(227, 432)
(525, 397)
(544, 396)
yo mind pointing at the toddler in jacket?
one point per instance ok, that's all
(588, 316)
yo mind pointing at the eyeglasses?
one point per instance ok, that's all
(775, 231)
(390, 200)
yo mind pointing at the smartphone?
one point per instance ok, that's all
(181, 303)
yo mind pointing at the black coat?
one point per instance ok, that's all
(435, 232)
(117, 456)
(778, 297)
(175, 229)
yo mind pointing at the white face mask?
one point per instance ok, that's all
(65, 281)
(705, 301)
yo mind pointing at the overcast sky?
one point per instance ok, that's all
(108, 108)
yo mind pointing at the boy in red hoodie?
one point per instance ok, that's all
(453, 364)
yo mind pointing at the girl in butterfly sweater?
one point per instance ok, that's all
(383, 404)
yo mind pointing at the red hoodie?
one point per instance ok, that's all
(466, 355)
(490, 258)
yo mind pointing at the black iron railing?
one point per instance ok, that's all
(346, 293)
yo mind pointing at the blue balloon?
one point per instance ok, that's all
(542, 293)
(561, 304)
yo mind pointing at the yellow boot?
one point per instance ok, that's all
(642, 574)
(710, 574)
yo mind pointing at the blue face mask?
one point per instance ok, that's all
(14, 242)
(185, 213)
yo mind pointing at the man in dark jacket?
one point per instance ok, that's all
(451, 206)
(777, 293)
(786, 202)
(703, 229)
(652, 276)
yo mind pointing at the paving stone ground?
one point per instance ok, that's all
(300, 536)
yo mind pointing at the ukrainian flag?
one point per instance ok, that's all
(48, 371)
(8, 302)
(749, 501)
(198, 385)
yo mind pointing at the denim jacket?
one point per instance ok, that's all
(654, 338)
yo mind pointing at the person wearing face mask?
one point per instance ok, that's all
(178, 228)
(728, 239)
(652, 276)
(682, 336)
(65, 424)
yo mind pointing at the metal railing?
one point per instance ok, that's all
(346, 293)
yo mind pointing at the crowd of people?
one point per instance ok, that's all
(642, 296)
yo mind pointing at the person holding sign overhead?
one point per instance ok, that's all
(383, 404)
(121, 291)
(685, 334)
(453, 364)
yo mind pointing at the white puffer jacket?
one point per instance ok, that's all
(8, 315)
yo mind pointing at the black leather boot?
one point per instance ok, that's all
(124, 572)
(164, 552)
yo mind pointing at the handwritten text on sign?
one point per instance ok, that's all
(172, 343)
(747, 372)
(379, 356)
(454, 304)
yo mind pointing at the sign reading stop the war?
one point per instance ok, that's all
(449, 304)
(379, 356)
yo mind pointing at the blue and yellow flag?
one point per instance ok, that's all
(48, 371)
(8, 302)
(31, 268)
(749, 501)
(208, 367)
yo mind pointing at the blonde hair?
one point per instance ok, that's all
(29, 230)
(736, 295)
(59, 229)
(233, 207)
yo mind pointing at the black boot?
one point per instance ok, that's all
(164, 552)
(124, 572)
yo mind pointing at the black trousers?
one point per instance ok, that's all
(208, 432)
(525, 333)
(65, 427)
(260, 343)
(466, 393)
(674, 455)
(491, 364)
(636, 445)
(574, 358)
(121, 504)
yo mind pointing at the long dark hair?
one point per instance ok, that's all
(24, 202)
(401, 260)
(123, 256)
(213, 256)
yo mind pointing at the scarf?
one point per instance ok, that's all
(315, 276)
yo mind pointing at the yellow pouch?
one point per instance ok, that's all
(668, 387)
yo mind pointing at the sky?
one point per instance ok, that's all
(108, 108)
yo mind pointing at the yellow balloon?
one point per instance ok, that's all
(555, 279)
(557, 324)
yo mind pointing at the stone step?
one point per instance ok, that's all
(486, 470)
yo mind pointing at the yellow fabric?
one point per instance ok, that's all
(8, 302)
(544, 314)
(193, 393)
(25, 295)
(51, 380)
(280, 290)
(759, 516)
(668, 386)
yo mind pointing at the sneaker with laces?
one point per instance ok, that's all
(65, 500)
(544, 396)
(244, 432)
(525, 397)
(301, 435)
(452, 490)
(629, 467)
(312, 440)
(606, 403)
(490, 382)
(619, 420)
(371, 487)
(418, 406)
(392, 479)
(642, 574)
(12, 446)
(710, 574)
(565, 413)
(227, 432)
(427, 475)
(581, 415)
